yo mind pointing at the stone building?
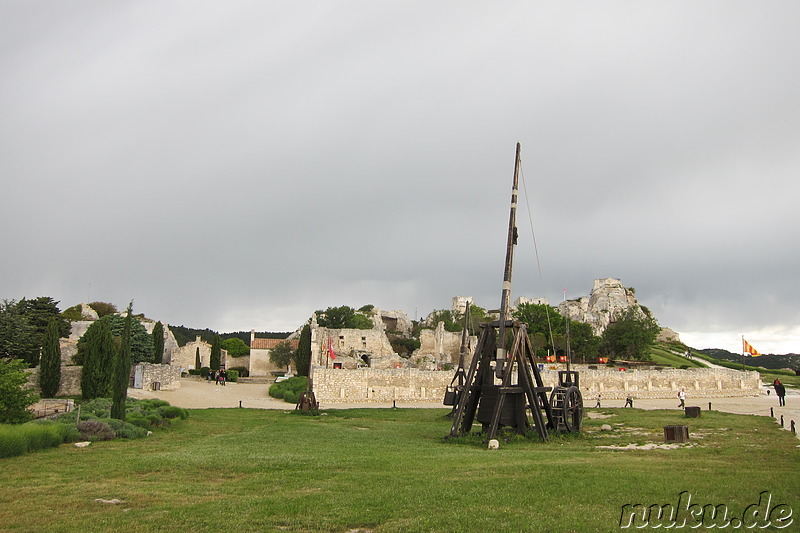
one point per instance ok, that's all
(258, 363)
(185, 356)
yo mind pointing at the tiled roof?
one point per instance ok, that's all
(268, 344)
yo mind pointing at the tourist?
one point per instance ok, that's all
(598, 401)
(223, 377)
(629, 402)
(682, 398)
(780, 392)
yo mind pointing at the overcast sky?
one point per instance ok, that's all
(237, 165)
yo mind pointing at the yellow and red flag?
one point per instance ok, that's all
(748, 348)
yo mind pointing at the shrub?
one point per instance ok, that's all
(172, 411)
(242, 370)
(71, 433)
(291, 396)
(138, 420)
(73, 314)
(156, 420)
(93, 430)
(290, 389)
(12, 440)
(126, 430)
(233, 375)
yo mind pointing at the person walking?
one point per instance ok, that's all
(682, 398)
(629, 402)
(598, 401)
(780, 392)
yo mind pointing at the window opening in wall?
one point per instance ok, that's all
(363, 342)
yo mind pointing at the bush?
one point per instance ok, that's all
(242, 370)
(172, 411)
(233, 375)
(291, 396)
(94, 430)
(126, 430)
(139, 421)
(290, 389)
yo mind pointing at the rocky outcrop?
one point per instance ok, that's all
(608, 300)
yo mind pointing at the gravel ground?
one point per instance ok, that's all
(201, 394)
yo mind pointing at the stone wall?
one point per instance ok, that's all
(439, 346)
(148, 376)
(413, 385)
(380, 386)
(353, 342)
(70, 380)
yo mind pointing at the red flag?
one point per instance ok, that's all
(748, 348)
(331, 353)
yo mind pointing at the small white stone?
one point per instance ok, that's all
(494, 444)
(82, 444)
(605, 427)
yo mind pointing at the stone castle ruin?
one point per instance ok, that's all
(608, 300)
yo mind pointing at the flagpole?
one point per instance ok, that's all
(743, 352)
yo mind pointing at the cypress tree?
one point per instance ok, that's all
(50, 363)
(98, 360)
(216, 353)
(158, 343)
(302, 357)
(197, 363)
(122, 370)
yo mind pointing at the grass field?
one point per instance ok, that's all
(661, 355)
(390, 470)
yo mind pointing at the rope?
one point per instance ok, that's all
(536, 250)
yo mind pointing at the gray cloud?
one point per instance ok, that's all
(240, 165)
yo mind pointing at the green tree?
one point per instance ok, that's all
(158, 342)
(343, 317)
(15, 396)
(50, 365)
(122, 370)
(39, 312)
(216, 353)
(542, 319)
(103, 308)
(235, 347)
(282, 354)
(585, 344)
(302, 356)
(450, 319)
(17, 335)
(98, 354)
(141, 341)
(630, 335)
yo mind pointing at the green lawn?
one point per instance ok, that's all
(390, 470)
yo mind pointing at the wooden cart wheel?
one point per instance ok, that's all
(567, 406)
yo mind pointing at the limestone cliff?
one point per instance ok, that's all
(608, 300)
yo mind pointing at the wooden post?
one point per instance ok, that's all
(505, 297)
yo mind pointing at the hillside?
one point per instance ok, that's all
(770, 361)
